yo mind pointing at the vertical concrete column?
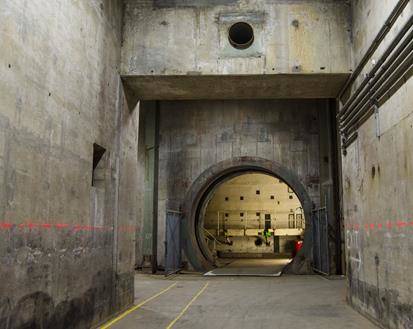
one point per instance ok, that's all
(150, 212)
(328, 180)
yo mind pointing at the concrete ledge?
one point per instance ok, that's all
(272, 86)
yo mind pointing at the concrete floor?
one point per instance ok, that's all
(252, 267)
(195, 301)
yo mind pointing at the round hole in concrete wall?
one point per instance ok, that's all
(241, 35)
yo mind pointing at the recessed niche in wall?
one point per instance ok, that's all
(291, 220)
(278, 202)
(241, 214)
(291, 197)
(226, 214)
(241, 198)
(272, 197)
(257, 192)
(226, 198)
(258, 214)
(97, 169)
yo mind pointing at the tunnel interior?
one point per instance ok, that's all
(253, 219)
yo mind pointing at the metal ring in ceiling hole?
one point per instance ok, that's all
(241, 35)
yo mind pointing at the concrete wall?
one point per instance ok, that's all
(244, 247)
(368, 17)
(66, 255)
(180, 50)
(142, 176)
(275, 198)
(191, 37)
(194, 135)
(378, 199)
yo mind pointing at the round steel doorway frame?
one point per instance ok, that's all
(203, 189)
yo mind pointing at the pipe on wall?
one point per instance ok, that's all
(386, 70)
(385, 29)
(386, 76)
(355, 97)
(381, 87)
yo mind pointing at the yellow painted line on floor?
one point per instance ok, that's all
(187, 306)
(134, 308)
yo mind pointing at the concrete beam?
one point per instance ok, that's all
(274, 86)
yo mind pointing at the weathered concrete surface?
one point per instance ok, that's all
(148, 160)
(270, 86)
(378, 199)
(309, 302)
(368, 17)
(187, 37)
(196, 135)
(66, 250)
(142, 176)
(180, 49)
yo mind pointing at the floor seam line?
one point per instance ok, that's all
(187, 306)
(136, 307)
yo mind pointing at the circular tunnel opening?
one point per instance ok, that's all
(241, 35)
(251, 219)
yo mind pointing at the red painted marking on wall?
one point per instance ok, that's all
(401, 224)
(83, 228)
(77, 228)
(31, 225)
(6, 226)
